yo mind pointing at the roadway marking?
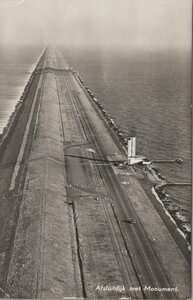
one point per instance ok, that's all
(36, 123)
(77, 145)
(24, 141)
(8, 296)
(46, 157)
(72, 98)
(87, 193)
(149, 268)
(147, 261)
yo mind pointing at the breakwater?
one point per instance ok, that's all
(174, 210)
(58, 204)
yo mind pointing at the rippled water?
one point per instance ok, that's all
(148, 94)
(16, 65)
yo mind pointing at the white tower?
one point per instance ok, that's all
(131, 154)
(131, 147)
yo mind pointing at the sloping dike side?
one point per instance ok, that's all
(62, 233)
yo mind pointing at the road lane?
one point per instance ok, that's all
(146, 264)
(10, 200)
(144, 261)
(72, 209)
(26, 135)
(84, 175)
(152, 271)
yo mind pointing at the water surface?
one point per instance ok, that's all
(149, 96)
(16, 65)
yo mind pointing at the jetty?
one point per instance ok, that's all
(61, 219)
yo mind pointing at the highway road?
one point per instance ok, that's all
(83, 177)
(64, 214)
(146, 264)
(13, 153)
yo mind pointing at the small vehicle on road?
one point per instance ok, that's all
(130, 221)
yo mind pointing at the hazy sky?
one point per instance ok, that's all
(139, 24)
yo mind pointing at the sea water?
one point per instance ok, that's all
(147, 93)
(16, 66)
(149, 96)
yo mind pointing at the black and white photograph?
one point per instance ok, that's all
(95, 149)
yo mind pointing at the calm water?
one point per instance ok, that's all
(16, 65)
(148, 94)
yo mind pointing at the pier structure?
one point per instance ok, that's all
(62, 233)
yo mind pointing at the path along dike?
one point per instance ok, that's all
(64, 229)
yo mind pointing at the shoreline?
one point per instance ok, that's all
(19, 103)
(84, 227)
(157, 190)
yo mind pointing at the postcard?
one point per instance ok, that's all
(95, 149)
